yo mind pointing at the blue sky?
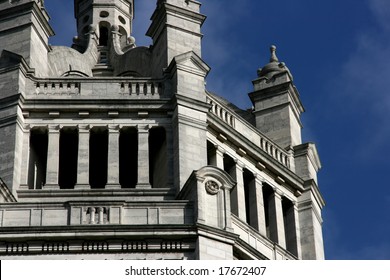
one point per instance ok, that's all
(338, 53)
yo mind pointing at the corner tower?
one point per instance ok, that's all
(277, 103)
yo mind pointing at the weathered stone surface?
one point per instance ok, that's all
(109, 150)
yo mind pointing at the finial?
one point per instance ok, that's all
(273, 58)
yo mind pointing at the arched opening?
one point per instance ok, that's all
(103, 36)
(69, 140)
(158, 163)
(38, 158)
(128, 157)
(98, 156)
(124, 36)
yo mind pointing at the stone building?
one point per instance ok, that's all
(113, 151)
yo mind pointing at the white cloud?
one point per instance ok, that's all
(365, 81)
(381, 9)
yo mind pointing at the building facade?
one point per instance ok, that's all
(113, 151)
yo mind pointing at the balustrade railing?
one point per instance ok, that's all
(221, 112)
(137, 88)
(265, 144)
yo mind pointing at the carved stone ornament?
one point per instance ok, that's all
(212, 187)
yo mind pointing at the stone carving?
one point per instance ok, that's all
(212, 187)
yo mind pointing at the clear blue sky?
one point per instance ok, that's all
(338, 53)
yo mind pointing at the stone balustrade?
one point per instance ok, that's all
(142, 88)
(251, 133)
(133, 88)
(57, 87)
(221, 112)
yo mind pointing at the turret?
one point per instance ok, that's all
(175, 30)
(277, 103)
(103, 15)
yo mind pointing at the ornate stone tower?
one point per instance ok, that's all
(112, 150)
(104, 16)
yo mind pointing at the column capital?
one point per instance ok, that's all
(239, 164)
(112, 128)
(219, 149)
(259, 179)
(53, 128)
(143, 128)
(278, 193)
(26, 128)
(83, 127)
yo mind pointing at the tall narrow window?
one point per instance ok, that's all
(229, 166)
(128, 157)
(289, 226)
(69, 140)
(103, 39)
(270, 219)
(98, 156)
(250, 197)
(158, 169)
(211, 154)
(38, 158)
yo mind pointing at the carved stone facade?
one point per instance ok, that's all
(113, 151)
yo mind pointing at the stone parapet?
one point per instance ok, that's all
(113, 87)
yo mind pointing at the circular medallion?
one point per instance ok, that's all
(212, 187)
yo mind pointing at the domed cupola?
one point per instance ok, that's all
(274, 67)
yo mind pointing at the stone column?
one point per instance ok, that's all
(25, 159)
(238, 193)
(257, 205)
(276, 221)
(219, 157)
(83, 158)
(53, 158)
(113, 158)
(143, 157)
